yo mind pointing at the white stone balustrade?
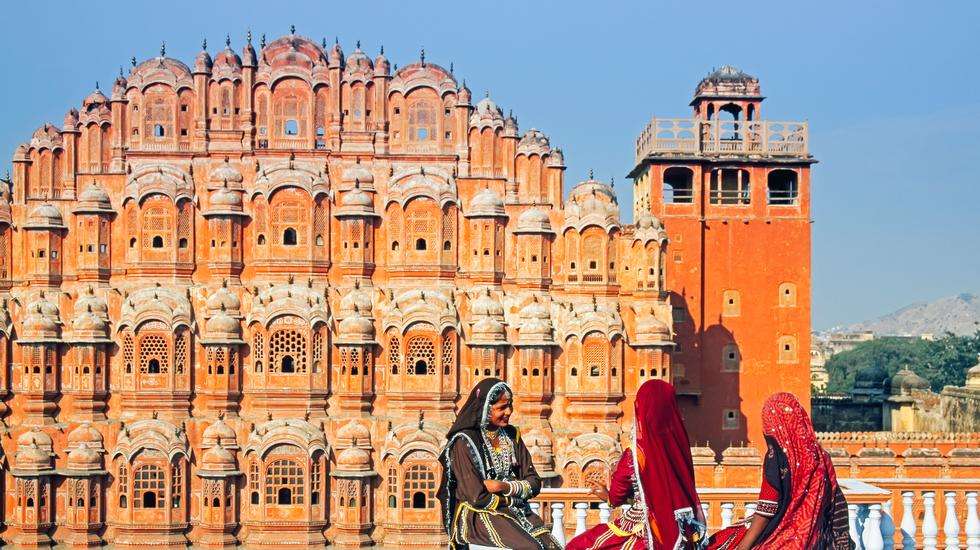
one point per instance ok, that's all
(872, 523)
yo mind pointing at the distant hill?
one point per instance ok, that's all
(958, 314)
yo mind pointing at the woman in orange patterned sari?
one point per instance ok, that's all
(657, 474)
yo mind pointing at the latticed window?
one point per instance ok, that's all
(157, 220)
(420, 487)
(572, 357)
(596, 474)
(448, 228)
(284, 482)
(290, 108)
(180, 352)
(122, 484)
(315, 481)
(154, 354)
(594, 357)
(392, 486)
(290, 216)
(421, 356)
(149, 484)
(448, 354)
(317, 350)
(253, 482)
(176, 484)
(129, 352)
(287, 352)
(355, 359)
(159, 116)
(258, 351)
(394, 354)
(421, 121)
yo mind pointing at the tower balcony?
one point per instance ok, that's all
(697, 137)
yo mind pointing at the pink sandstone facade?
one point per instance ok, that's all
(242, 299)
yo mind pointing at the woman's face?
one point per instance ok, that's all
(501, 410)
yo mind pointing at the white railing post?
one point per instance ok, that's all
(705, 508)
(951, 526)
(750, 508)
(727, 514)
(852, 525)
(558, 522)
(871, 537)
(888, 525)
(604, 512)
(930, 529)
(908, 521)
(581, 509)
(972, 522)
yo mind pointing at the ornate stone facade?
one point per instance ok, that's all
(242, 298)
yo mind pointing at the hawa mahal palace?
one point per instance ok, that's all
(242, 298)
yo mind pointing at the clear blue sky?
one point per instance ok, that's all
(891, 90)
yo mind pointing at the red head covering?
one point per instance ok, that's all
(662, 452)
(812, 478)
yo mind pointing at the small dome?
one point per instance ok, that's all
(88, 321)
(356, 327)
(94, 98)
(533, 220)
(225, 198)
(649, 327)
(203, 63)
(535, 324)
(358, 63)
(729, 73)
(45, 216)
(357, 198)
(32, 458)
(485, 304)
(227, 58)
(223, 299)
(35, 436)
(219, 431)
(94, 193)
(353, 458)
(905, 381)
(354, 432)
(226, 172)
(534, 142)
(85, 433)
(487, 114)
(217, 459)
(358, 173)
(486, 203)
(84, 457)
(358, 298)
(486, 328)
(38, 325)
(223, 325)
(556, 158)
(381, 65)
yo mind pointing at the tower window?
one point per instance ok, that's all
(158, 130)
(287, 364)
(157, 241)
(447, 245)
(182, 243)
(261, 239)
(291, 127)
(782, 188)
(730, 186)
(420, 244)
(319, 240)
(289, 237)
(394, 246)
(678, 185)
(153, 367)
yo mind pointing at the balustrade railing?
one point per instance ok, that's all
(723, 137)
(942, 514)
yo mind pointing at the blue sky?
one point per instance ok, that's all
(890, 90)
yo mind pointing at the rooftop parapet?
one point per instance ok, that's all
(699, 137)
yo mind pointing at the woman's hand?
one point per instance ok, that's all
(600, 490)
(494, 486)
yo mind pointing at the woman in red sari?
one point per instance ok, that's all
(657, 474)
(801, 506)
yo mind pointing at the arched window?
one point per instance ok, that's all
(158, 130)
(678, 185)
(420, 244)
(290, 128)
(419, 488)
(286, 364)
(284, 483)
(122, 482)
(287, 350)
(731, 359)
(394, 246)
(394, 354)
(421, 355)
(289, 237)
(787, 349)
(595, 358)
(148, 486)
(787, 295)
(153, 367)
(730, 186)
(157, 241)
(154, 353)
(731, 303)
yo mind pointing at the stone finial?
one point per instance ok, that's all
(421, 419)
(357, 44)
(163, 49)
(452, 67)
(204, 44)
(248, 36)
(590, 174)
(323, 42)
(292, 29)
(133, 60)
(382, 50)
(422, 56)
(262, 41)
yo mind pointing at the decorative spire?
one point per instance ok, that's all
(204, 44)
(292, 29)
(248, 37)
(323, 42)
(336, 40)
(133, 60)
(422, 56)
(163, 49)
(486, 93)
(97, 85)
(120, 70)
(262, 41)
(590, 173)
(227, 40)
(382, 49)
(357, 45)
(451, 67)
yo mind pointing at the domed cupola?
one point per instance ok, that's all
(356, 297)
(93, 200)
(592, 202)
(219, 432)
(42, 322)
(203, 63)
(511, 128)
(556, 159)
(249, 59)
(381, 65)
(728, 82)
(355, 328)
(906, 381)
(45, 216)
(34, 452)
(119, 87)
(360, 174)
(223, 324)
(358, 65)
(336, 55)
(94, 99)
(70, 122)
(535, 327)
(534, 142)
(534, 221)
(486, 316)
(486, 204)
(650, 330)
(487, 114)
(227, 61)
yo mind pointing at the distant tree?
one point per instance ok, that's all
(943, 361)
